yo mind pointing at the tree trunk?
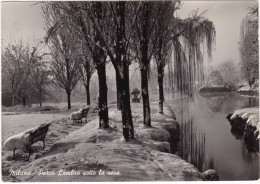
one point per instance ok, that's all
(68, 98)
(40, 97)
(99, 59)
(87, 91)
(119, 93)
(145, 97)
(123, 75)
(102, 99)
(144, 66)
(13, 100)
(128, 128)
(160, 84)
(24, 102)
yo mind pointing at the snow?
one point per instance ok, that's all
(249, 91)
(13, 124)
(18, 141)
(244, 88)
(251, 115)
(21, 108)
(103, 155)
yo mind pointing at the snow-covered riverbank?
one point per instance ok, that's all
(93, 154)
(246, 90)
(246, 122)
(251, 116)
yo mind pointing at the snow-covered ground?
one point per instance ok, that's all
(251, 115)
(26, 118)
(13, 124)
(102, 155)
(246, 90)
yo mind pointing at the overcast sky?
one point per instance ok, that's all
(24, 20)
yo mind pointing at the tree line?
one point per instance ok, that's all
(84, 36)
(25, 74)
(249, 46)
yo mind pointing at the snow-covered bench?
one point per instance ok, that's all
(79, 115)
(24, 140)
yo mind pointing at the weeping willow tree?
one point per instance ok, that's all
(181, 42)
(191, 36)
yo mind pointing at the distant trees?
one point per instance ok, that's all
(41, 80)
(249, 46)
(229, 72)
(13, 64)
(215, 78)
(19, 61)
(86, 70)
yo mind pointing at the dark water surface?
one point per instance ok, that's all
(206, 139)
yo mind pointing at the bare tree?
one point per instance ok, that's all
(12, 63)
(79, 22)
(64, 68)
(41, 80)
(116, 45)
(65, 46)
(64, 62)
(144, 44)
(86, 71)
(111, 38)
(18, 61)
(162, 43)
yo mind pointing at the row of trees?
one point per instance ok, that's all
(83, 37)
(249, 46)
(122, 33)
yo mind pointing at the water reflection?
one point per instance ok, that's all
(238, 135)
(248, 157)
(192, 145)
(206, 141)
(228, 102)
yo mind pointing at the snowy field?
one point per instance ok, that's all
(13, 124)
(27, 118)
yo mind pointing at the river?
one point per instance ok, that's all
(206, 139)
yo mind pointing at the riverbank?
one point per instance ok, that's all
(93, 154)
(248, 91)
(245, 122)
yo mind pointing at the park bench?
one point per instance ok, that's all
(84, 114)
(136, 95)
(38, 134)
(24, 140)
